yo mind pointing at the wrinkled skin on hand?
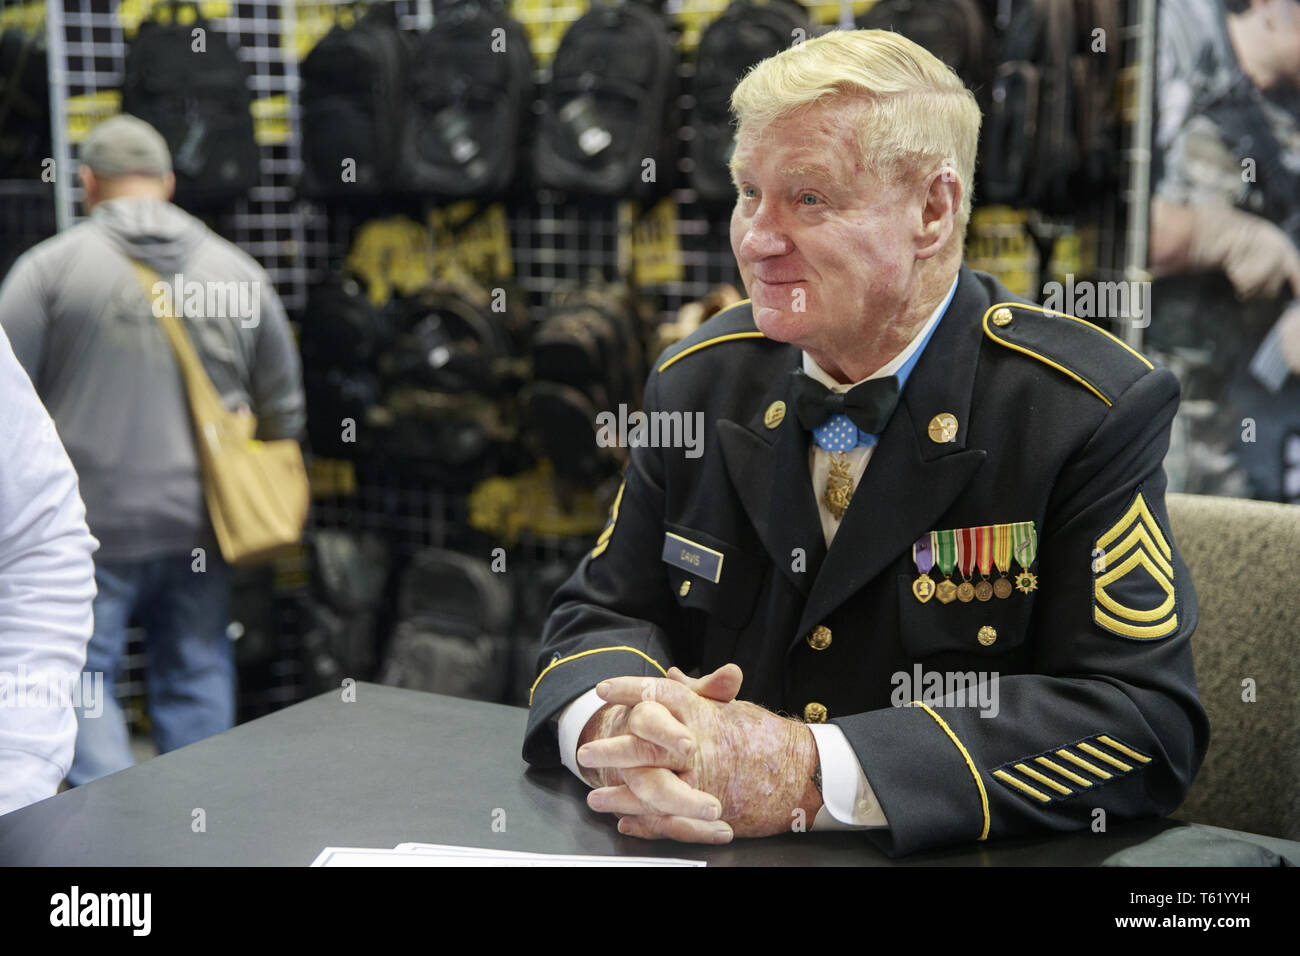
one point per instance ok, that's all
(669, 760)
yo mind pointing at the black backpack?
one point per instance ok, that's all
(453, 631)
(349, 575)
(199, 102)
(611, 104)
(342, 335)
(588, 357)
(353, 91)
(469, 104)
(744, 34)
(24, 105)
(1050, 132)
(955, 31)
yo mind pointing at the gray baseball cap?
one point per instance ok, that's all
(125, 145)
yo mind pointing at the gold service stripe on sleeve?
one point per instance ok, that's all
(596, 650)
(970, 764)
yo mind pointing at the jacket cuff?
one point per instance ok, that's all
(923, 777)
(564, 679)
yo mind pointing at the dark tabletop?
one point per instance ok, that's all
(398, 766)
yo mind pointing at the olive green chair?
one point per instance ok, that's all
(1243, 556)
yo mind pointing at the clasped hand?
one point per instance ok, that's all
(681, 758)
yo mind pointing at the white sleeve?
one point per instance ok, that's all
(572, 720)
(47, 586)
(848, 802)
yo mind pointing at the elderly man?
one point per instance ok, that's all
(928, 519)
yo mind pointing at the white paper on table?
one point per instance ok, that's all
(575, 859)
(435, 854)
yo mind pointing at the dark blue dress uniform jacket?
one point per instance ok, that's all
(1059, 424)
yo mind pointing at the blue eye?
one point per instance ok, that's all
(807, 196)
(748, 192)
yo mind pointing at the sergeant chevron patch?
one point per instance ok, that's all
(1133, 577)
(1070, 770)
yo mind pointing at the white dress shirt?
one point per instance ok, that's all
(47, 586)
(847, 799)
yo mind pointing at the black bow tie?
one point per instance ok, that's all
(868, 404)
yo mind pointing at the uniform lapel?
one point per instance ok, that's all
(910, 480)
(769, 469)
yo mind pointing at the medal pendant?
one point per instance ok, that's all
(1002, 588)
(945, 591)
(983, 591)
(1026, 582)
(839, 487)
(923, 588)
(965, 592)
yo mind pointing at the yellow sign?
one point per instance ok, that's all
(545, 22)
(473, 238)
(998, 242)
(332, 477)
(88, 110)
(271, 119)
(392, 255)
(131, 13)
(28, 16)
(312, 19)
(656, 252)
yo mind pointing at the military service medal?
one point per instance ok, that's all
(839, 486)
(923, 556)
(966, 563)
(945, 555)
(984, 561)
(1024, 545)
(1002, 560)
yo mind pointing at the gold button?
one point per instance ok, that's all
(774, 415)
(943, 428)
(814, 713)
(987, 635)
(685, 589)
(1002, 317)
(820, 638)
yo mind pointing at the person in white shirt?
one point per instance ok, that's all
(47, 588)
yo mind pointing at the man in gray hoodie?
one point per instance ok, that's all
(84, 329)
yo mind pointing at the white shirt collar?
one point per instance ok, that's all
(816, 372)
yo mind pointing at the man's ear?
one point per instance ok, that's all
(89, 187)
(941, 202)
(169, 186)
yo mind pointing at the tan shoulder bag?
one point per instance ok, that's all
(257, 492)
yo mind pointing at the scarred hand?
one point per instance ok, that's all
(673, 755)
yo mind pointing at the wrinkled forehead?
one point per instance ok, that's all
(819, 140)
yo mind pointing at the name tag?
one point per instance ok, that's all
(696, 558)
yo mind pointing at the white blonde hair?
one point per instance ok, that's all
(919, 114)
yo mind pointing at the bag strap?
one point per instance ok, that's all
(205, 400)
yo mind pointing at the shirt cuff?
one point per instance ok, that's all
(572, 721)
(848, 802)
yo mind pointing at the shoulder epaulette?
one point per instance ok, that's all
(1091, 356)
(733, 324)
